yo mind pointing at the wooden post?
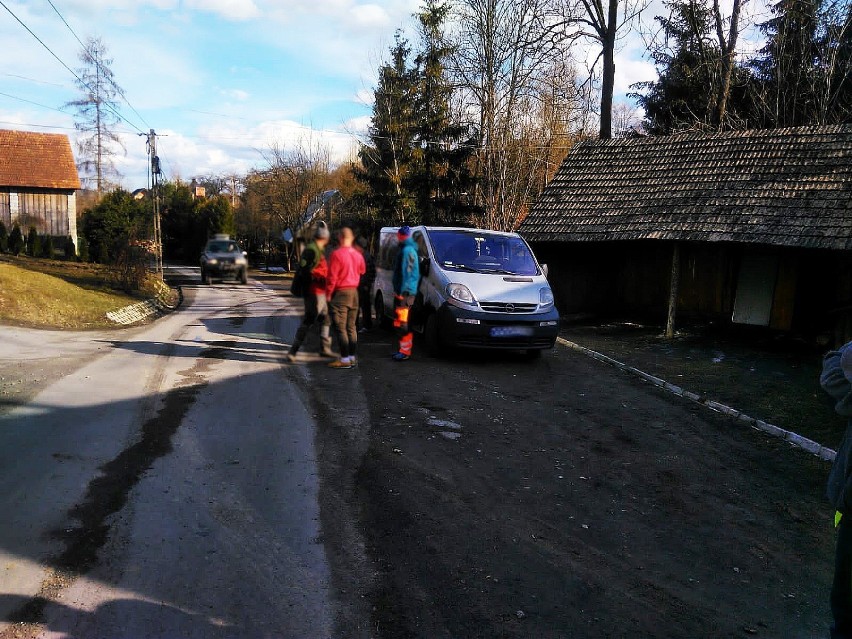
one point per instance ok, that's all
(673, 286)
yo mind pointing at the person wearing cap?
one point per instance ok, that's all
(836, 380)
(316, 302)
(406, 279)
(345, 269)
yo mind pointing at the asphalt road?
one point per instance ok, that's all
(162, 481)
(182, 480)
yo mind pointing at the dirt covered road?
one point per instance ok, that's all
(500, 497)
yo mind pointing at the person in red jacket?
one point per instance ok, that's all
(345, 269)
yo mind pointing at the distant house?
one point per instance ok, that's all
(38, 182)
(749, 227)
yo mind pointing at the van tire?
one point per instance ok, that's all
(431, 336)
(244, 276)
(381, 316)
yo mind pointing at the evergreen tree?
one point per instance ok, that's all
(689, 65)
(16, 240)
(785, 93)
(47, 248)
(442, 152)
(33, 243)
(109, 225)
(97, 114)
(4, 238)
(834, 58)
(388, 159)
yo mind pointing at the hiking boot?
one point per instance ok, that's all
(400, 357)
(339, 364)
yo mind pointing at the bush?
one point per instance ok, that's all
(68, 249)
(47, 248)
(16, 240)
(82, 249)
(33, 243)
(4, 238)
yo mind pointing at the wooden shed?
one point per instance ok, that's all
(747, 227)
(38, 183)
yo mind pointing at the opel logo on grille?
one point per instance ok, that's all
(510, 308)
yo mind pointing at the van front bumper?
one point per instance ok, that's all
(480, 329)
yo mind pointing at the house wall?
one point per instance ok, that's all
(811, 293)
(50, 212)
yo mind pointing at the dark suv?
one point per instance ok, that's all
(222, 257)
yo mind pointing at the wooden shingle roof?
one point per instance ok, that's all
(786, 187)
(37, 160)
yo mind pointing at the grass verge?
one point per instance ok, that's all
(60, 295)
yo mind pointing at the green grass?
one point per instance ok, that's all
(58, 295)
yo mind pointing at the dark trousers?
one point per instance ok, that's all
(316, 313)
(841, 589)
(366, 305)
(344, 314)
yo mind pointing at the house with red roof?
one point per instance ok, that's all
(38, 183)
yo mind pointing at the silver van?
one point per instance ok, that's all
(478, 289)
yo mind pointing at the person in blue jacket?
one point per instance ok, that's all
(836, 379)
(406, 279)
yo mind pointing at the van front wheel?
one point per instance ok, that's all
(431, 336)
(381, 315)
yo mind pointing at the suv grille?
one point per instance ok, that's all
(508, 307)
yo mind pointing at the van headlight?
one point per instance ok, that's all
(545, 297)
(461, 293)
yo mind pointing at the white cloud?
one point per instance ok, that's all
(229, 9)
(235, 94)
(370, 16)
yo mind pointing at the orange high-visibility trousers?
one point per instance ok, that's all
(402, 305)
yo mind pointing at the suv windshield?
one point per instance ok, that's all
(222, 247)
(482, 252)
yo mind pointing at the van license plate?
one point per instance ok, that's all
(511, 331)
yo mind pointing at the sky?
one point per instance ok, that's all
(220, 81)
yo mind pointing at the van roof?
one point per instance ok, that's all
(467, 229)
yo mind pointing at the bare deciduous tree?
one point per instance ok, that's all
(502, 50)
(602, 21)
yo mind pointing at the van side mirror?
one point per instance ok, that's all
(425, 266)
(544, 269)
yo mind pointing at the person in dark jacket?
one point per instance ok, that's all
(316, 300)
(406, 279)
(836, 379)
(365, 286)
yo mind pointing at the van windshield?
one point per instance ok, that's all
(482, 252)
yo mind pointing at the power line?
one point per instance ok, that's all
(97, 63)
(39, 126)
(58, 59)
(44, 106)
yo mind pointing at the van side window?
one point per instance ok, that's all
(422, 251)
(388, 250)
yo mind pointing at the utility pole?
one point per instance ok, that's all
(156, 172)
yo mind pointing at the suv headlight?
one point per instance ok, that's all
(211, 260)
(545, 297)
(461, 293)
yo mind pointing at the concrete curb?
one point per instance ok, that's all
(143, 310)
(796, 440)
